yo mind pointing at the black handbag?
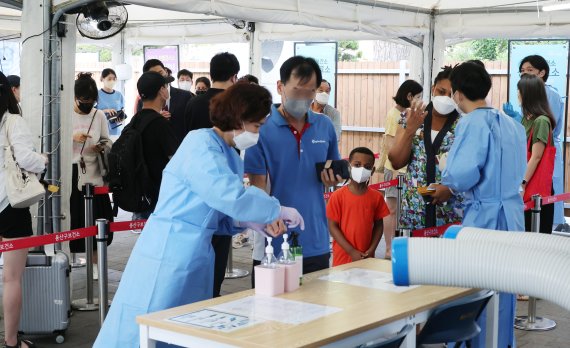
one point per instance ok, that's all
(339, 167)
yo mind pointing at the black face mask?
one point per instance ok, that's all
(201, 92)
(85, 107)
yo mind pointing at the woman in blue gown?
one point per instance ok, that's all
(487, 163)
(201, 193)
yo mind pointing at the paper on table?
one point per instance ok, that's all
(368, 279)
(277, 309)
(214, 320)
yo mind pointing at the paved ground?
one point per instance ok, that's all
(84, 325)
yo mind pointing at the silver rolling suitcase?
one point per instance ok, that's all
(46, 297)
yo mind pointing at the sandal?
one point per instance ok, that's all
(19, 344)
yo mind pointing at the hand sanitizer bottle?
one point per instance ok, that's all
(287, 261)
(269, 279)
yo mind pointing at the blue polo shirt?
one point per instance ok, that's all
(291, 169)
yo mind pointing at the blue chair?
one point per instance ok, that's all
(392, 342)
(455, 322)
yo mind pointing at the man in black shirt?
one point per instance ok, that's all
(158, 140)
(224, 68)
(173, 110)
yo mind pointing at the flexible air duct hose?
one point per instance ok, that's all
(514, 269)
(523, 239)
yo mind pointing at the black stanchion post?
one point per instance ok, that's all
(88, 304)
(102, 233)
(531, 322)
(400, 187)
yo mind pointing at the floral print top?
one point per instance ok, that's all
(413, 204)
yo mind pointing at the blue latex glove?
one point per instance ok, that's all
(292, 217)
(508, 109)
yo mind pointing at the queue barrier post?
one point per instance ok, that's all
(532, 322)
(400, 187)
(77, 262)
(88, 303)
(102, 233)
(231, 272)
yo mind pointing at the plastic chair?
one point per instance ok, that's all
(392, 342)
(455, 322)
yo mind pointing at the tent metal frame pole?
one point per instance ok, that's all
(428, 55)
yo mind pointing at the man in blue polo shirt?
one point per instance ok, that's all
(291, 142)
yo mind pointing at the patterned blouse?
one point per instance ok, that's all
(413, 204)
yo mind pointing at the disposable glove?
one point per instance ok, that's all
(292, 217)
(508, 109)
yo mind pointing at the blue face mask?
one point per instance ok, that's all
(297, 107)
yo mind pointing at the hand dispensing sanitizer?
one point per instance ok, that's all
(269, 278)
(288, 263)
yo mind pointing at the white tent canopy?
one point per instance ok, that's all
(428, 24)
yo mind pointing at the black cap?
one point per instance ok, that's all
(14, 80)
(150, 83)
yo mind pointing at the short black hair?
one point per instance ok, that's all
(444, 74)
(223, 66)
(249, 78)
(363, 150)
(85, 87)
(13, 80)
(151, 63)
(476, 61)
(301, 67)
(204, 80)
(325, 81)
(185, 72)
(537, 62)
(472, 80)
(108, 71)
(409, 86)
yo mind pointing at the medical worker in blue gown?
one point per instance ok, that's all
(202, 191)
(538, 66)
(487, 163)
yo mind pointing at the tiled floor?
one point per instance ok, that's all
(84, 325)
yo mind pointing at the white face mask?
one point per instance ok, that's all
(444, 105)
(457, 108)
(185, 85)
(360, 174)
(109, 84)
(322, 98)
(245, 140)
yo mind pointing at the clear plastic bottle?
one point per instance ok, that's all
(269, 259)
(288, 263)
(269, 277)
(286, 257)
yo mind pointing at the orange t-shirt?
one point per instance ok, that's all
(355, 215)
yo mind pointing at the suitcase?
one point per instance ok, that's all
(46, 295)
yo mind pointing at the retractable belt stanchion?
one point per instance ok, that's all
(531, 322)
(400, 232)
(231, 272)
(102, 233)
(88, 304)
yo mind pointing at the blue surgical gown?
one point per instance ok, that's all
(487, 162)
(172, 263)
(557, 107)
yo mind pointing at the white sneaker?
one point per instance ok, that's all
(95, 272)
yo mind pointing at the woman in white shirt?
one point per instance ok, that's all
(90, 135)
(15, 223)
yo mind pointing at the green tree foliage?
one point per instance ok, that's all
(485, 49)
(105, 54)
(348, 51)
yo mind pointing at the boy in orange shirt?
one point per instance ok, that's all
(355, 212)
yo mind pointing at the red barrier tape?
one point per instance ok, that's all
(101, 190)
(378, 186)
(548, 200)
(52, 238)
(127, 225)
(432, 231)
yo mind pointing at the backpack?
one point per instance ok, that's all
(129, 177)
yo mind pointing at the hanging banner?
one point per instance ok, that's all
(555, 53)
(325, 53)
(168, 55)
